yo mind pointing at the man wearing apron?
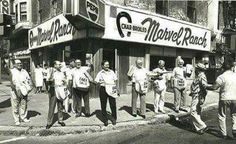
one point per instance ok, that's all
(106, 78)
(159, 87)
(179, 85)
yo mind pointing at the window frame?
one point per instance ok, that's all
(192, 15)
(23, 13)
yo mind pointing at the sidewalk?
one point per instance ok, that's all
(38, 110)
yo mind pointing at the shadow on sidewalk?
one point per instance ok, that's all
(32, 114)
(184, 124)
(6, 103)
(169, 105)
(128, 109)
(55, 117)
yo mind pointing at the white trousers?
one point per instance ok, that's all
(159, 100)
(196, 114)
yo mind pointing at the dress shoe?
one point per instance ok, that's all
(113, 121)
(176, 110)
(202, 131)
(25, 120)
(62, 123)
(106, 123)
(48, 126)
(87, 114)
(17, 123)
(134, 115)
(143, 116)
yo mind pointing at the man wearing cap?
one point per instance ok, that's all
(179, 85)
(20, 87)
(159, 87)
(198, 93)
(227, 84)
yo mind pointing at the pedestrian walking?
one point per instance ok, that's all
(38, 78)
(57, 93)
(46, 76)
(159, 87)
(107, 79)
(21, 85)
(227, 99)
(198, 93)
(179, 84)
(140, 88)
(81, 82)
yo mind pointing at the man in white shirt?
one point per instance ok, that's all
(139, 88)
(227, 84)
(57, 79)
(20, 83)
(159, 87)
(38, 78)
(107, 77)
(179, 85)
(80, 82)
(46, 76)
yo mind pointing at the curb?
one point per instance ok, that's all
(41, 131)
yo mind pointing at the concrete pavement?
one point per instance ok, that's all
(38, 110)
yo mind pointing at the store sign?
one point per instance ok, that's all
(150, 29)
(91, 10)
(53, 31)
(4, 7)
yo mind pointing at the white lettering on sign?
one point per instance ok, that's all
(4, 7)
(154, 29)
(53, 31)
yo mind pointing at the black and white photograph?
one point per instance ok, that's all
(117, 71)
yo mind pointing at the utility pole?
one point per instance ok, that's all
(0, 69)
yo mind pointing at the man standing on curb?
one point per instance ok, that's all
(56, 79)
(81, 81)
(20, 87)
(227, 84)
(159, 87)
(140, 86)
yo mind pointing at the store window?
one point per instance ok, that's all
(191, 11)
(23, 11)
(162, 7)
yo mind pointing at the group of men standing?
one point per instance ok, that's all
(74, 82)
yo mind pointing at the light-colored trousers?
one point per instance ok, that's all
(135, 96)
(179, 98)
(19, 106)
(223, 105)
(196, 114)
(159, 100)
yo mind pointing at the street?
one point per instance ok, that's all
(172, 132)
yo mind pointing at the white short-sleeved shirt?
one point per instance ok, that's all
(140, 74)
(19, 77)
(58, 78)
(178, 72)
(106, 77)
(76, 74)
(227, 82)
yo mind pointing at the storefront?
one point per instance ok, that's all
(119, 35)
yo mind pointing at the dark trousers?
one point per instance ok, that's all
(46, 84)
(112, 101)
(52, 104)
(79, 95)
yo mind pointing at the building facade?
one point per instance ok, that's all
(119, 31)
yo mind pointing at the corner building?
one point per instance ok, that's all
(120, 32)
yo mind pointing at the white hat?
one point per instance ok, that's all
(17, 61)
(200, 66)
